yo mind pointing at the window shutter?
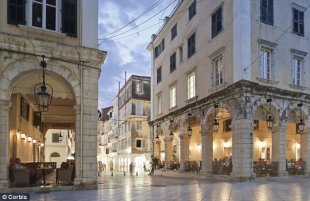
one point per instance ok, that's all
(293, 71)
(69, 17)
(261, 64)
(272, 65)
(16, 12)
(212, 73)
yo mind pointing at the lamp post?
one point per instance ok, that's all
(43, 92)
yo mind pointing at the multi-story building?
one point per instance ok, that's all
(127, 132)
(58, 146)
(65, 32)
(104, 131)
(230, 82)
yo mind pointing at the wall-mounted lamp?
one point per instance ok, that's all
(42, 145)
(43, 92)
(301, 121)
(29, 139)
(34, 141)
(60, 136)
(189, 130)
(261, 144)
(23, 136)
(215, 121)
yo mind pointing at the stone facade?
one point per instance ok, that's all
(228, 64)
(73, 69)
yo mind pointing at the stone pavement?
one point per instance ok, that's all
(138, 188)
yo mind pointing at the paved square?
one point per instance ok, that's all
(163, 188)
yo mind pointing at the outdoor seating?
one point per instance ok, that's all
(21, 178)
(63, 175)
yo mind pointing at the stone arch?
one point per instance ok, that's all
(17, 69)
(260, 105)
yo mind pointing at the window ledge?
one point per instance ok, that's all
(218, 87)
(267, 81)
(172, 108)
(159, 115)
(298, 87)
(35, 30)
(189, 100)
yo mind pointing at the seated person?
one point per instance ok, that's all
(19, 167)
(300, 164)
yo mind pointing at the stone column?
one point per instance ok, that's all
(279, 148)
(4, 139)
(242, 144)
(184, 150)
(206, 149)
(78, 160)
(305, 147)
(168, 152)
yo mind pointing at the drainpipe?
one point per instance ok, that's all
(81, 111)
(81, 116)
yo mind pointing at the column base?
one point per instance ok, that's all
(4, 183)
(282, 174)
(85, 183)
(206, 172)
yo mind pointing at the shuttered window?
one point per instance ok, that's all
(16, 12)
(69, 17)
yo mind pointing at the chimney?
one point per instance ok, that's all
(153, 37)
(166, 19)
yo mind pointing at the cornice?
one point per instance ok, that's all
(67, 53)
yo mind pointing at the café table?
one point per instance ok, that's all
(44, 170)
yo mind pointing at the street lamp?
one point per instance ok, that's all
(43, 92)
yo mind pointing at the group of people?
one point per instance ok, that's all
(295, 167)
(222, 166)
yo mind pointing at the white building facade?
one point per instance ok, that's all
(125, 140)
(222, 71)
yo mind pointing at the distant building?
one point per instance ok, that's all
(230, 85)
(125, 138)
(59, 146)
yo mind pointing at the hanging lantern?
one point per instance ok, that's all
(43, 92)
(171, 135)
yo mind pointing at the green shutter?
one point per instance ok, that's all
(69, 17)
